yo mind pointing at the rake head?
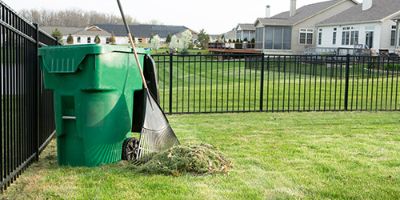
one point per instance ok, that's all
(156, 135)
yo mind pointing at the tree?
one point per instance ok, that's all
(155, 22)
(72, 17)
(57, 34)
(204, 39)
(185, 40)
(174, 44)
(70, 39)
(155, 42)
(253, 43)
(112, 39)
(97, 39)
(168, 40)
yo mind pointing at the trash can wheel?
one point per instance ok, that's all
(129, 149)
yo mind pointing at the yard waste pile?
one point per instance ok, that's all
(200, 159)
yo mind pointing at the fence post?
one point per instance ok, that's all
(37, 80)
(170, 81)
(262, 83)
(346, 91)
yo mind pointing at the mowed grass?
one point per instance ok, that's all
(200, 84)
(275, 156)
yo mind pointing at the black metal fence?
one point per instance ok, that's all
(26, 111)
(277, 83)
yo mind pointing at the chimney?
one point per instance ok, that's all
(366, 4)
(268, 11)
(293, 7)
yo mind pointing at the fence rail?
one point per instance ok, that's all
(277, 83)
(26, 110)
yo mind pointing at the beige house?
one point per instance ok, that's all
(293, 31)
(80, 35)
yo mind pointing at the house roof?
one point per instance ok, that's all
(397, 17)
(143, 30)
(63, 30)
(89, 31)
(230, 34)
(380, 10)
(92, 30)
(246, 27)
(302, 13)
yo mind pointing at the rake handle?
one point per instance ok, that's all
(132, 43)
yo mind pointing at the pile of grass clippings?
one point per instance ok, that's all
(200, 159)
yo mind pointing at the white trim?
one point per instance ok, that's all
(306, 31)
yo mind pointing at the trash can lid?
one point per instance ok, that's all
(66, 59)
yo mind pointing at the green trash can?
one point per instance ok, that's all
(93, 89)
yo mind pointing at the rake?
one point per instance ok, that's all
(156, 134)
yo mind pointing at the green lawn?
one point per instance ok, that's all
(275, 156)
(213, 86)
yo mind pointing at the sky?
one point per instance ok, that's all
(215, 16)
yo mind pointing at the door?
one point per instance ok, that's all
(369, 39)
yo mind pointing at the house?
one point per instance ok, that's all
(143, 32)
(215, 37)
(81, 35)
(374, 24)
(230, 35)
(245, 32)
(293, 31)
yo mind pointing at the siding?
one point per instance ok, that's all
(382, 35)
(312, 22)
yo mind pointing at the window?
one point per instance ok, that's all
(306, 36)
(354, 38)
(259, 38)
(78, 40)
(269, 37)
(369, 39)
(239, 35)
(320, 37)
(345, 38)
(393, 36)
(287, 38)
(350, 37)
(278, 37)
(334, 36)
(89, 40)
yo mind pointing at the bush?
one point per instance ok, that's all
(70, 39)
(97, 39)
(112, 39)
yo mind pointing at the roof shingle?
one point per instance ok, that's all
(143, 30)
(302, 13)
(379, 10)
(247, 27)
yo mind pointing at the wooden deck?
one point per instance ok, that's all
(234, 51)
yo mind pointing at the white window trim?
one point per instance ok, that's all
(320, 33)
(334, 36)
(351, 30)
(306, 31)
